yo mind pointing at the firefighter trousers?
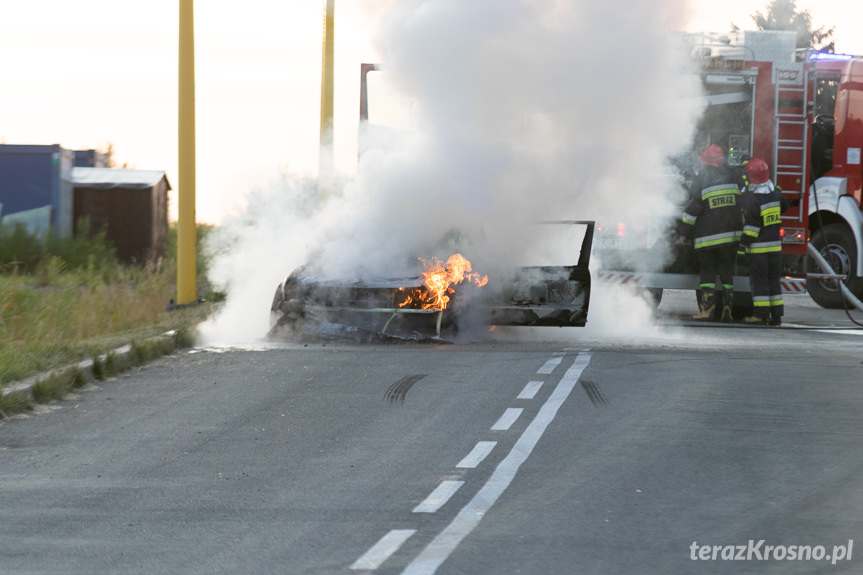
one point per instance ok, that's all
(712, 262)
(765, 275)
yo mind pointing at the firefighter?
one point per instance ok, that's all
(712, 220)
(763, 204)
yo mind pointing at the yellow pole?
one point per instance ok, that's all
(186, 262)
(326, 166)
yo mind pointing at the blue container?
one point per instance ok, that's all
(33, 177)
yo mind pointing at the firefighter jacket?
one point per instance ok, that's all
(763, 204)
(712, 215)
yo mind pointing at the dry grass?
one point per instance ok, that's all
(57, 317)
(63, 301)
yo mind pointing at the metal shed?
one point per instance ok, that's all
(131, 205)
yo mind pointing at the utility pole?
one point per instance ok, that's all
(326, 158)
(186, 251)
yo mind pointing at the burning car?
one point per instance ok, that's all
(439, 300)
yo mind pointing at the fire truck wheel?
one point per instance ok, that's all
(836, 243)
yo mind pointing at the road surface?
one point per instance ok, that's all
(687, 449)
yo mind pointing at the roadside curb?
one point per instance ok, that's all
(25, 386)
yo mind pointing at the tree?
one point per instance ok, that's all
(109, 155)
(108, 152)
(783, 15)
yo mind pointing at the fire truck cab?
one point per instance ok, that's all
(835, 172)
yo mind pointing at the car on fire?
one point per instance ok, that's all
(436, 302)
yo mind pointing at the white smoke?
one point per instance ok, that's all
(253, 251)
(524, 110)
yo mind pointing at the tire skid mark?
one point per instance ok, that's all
(594, 393)
(397, 392)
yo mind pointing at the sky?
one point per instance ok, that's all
(94, 73)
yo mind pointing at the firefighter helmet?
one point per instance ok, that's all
(712, 155)
(757, 171)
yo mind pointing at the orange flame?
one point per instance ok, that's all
(438, 279)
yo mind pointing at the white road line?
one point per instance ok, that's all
(530, 390)
(479, 452)
(507, 419)
(841, 331)
(438, 497)
(427, 562)
(549, 365)
(381, 551)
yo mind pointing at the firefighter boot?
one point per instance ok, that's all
(707, 305)
(727, 297)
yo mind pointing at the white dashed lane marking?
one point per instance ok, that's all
(438, 497)
(529, 391)
(549, 365)
(436, 552)
(507, 419)
(479, 452)
(381, 551)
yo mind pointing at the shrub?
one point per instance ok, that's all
(20, 251)
(14, 403)
(24, 253)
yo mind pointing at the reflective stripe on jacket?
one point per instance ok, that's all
(762, 217)
(712, 215)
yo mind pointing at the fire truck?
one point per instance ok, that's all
(802, 112)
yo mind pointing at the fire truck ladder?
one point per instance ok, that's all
(791, 147)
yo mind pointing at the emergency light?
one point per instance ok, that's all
(826, 56)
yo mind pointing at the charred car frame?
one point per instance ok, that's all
(405, 308)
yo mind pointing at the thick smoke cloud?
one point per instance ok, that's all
(532, 110)
(522, 110)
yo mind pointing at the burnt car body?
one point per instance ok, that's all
(557, 295)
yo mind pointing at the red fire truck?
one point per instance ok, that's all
(800, 110)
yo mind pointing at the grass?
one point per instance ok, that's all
(73, 301)
(59, 384)
(45, 324)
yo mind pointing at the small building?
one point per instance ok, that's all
(130, 205)
(49, 187)
(36, 186)
(91, 159)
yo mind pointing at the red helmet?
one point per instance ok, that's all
(757, 171)
(712, 155)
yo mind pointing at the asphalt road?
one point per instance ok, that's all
(535, 451)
